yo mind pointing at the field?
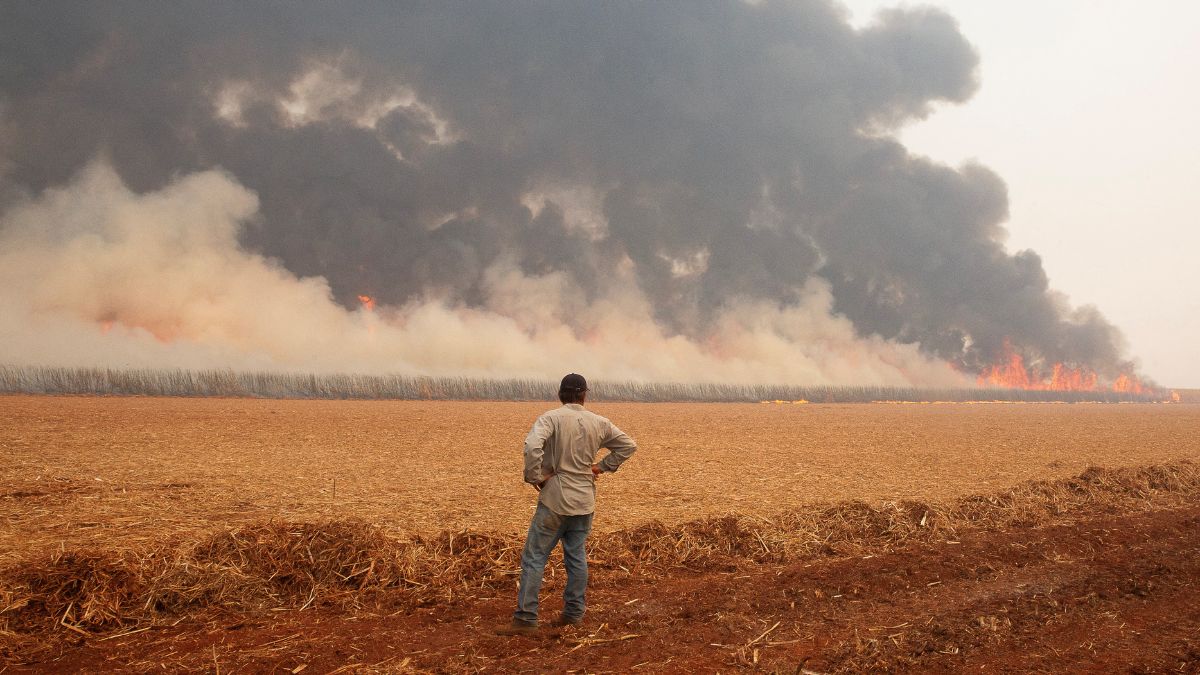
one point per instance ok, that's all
(246, 534)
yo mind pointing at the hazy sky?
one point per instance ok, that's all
(1088, 111)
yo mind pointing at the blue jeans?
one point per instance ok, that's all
(545, 531)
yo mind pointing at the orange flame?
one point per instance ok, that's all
(162, 329)
(1012, 373)
(1071, 379)
(1129, 384)
(367, 302)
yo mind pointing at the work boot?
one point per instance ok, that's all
(565, 620)
(518, 627)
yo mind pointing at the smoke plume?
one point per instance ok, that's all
(663, 190)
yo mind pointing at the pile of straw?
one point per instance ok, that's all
(350, 563)
(857, 528)
(269, 565)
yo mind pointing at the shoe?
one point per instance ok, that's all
(568, 621)
(518, 628)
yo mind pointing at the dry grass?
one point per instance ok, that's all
(99, 592)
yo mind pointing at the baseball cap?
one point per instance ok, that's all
(573, 382)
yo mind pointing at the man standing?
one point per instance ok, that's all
(560, 462)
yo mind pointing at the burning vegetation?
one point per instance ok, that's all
(1012, 372)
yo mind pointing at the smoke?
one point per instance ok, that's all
(665, 190)
(159, 279)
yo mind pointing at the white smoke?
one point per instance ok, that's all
(94, 274)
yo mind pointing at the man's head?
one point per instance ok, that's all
(573, 389)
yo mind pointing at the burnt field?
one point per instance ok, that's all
(233, 534)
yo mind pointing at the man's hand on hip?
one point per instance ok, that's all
(596, 471)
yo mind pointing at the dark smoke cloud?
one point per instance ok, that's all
(726, 151)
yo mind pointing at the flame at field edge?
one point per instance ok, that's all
(1013, 373)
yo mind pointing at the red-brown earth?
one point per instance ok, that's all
(1102, 593)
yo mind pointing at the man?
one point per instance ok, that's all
(560, 462)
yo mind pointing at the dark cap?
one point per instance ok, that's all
(573, 382)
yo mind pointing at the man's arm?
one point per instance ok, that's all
(620, 447)
(535, 443)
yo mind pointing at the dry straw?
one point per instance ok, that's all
(354, 564)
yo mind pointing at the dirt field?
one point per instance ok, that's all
(1104, 594)
(114, 471)
(1072, 588)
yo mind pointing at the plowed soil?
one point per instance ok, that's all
(1103, 594)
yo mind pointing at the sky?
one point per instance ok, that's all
(1087, 110)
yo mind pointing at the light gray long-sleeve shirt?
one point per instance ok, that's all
(560, 451)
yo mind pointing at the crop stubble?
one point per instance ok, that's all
(122, 471)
